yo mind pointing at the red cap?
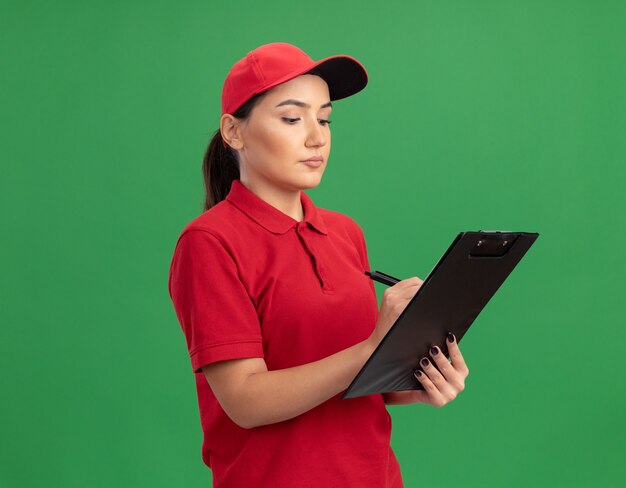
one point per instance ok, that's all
(272, 64)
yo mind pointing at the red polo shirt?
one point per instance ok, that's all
(248, 280)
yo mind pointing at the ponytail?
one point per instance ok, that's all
(220, 166)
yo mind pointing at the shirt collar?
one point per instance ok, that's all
(270, 217)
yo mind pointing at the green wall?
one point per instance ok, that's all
(478, 115)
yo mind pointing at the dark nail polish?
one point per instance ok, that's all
(434, 350)
(450, 337)
(418, 373)
(425, 362)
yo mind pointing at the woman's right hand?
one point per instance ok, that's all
(252, 395)
(395, 299)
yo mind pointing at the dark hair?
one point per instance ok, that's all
(220, 166)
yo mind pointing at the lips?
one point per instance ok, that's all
(315, 162)
(312, 163)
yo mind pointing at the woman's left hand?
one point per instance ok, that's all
(441, 384)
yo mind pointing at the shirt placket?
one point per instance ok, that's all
(307, 238)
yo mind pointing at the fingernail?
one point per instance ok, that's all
(434, 350)
(450, 337)
(418, 373)
(425, 362)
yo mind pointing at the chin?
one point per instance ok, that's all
(310, 181)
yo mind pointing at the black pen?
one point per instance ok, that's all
(383, 278)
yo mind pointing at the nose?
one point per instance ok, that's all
(316, 135)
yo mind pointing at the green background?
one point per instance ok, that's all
(478, 115)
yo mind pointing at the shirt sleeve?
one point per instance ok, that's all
(217, 316)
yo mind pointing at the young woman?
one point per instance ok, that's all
(271, 294)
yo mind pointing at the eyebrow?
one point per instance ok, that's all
(298, 103)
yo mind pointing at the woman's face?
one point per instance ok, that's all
(287, 126)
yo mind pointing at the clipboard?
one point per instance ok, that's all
(450, 298)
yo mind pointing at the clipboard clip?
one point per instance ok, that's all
(493, 244)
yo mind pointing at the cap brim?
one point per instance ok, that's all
(344, 75)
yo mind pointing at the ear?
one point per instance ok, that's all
(231, 133)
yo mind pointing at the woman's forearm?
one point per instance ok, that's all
(273, 396)
(401, 397)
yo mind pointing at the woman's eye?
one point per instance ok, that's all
(289, 120)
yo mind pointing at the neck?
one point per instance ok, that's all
(287, 201)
